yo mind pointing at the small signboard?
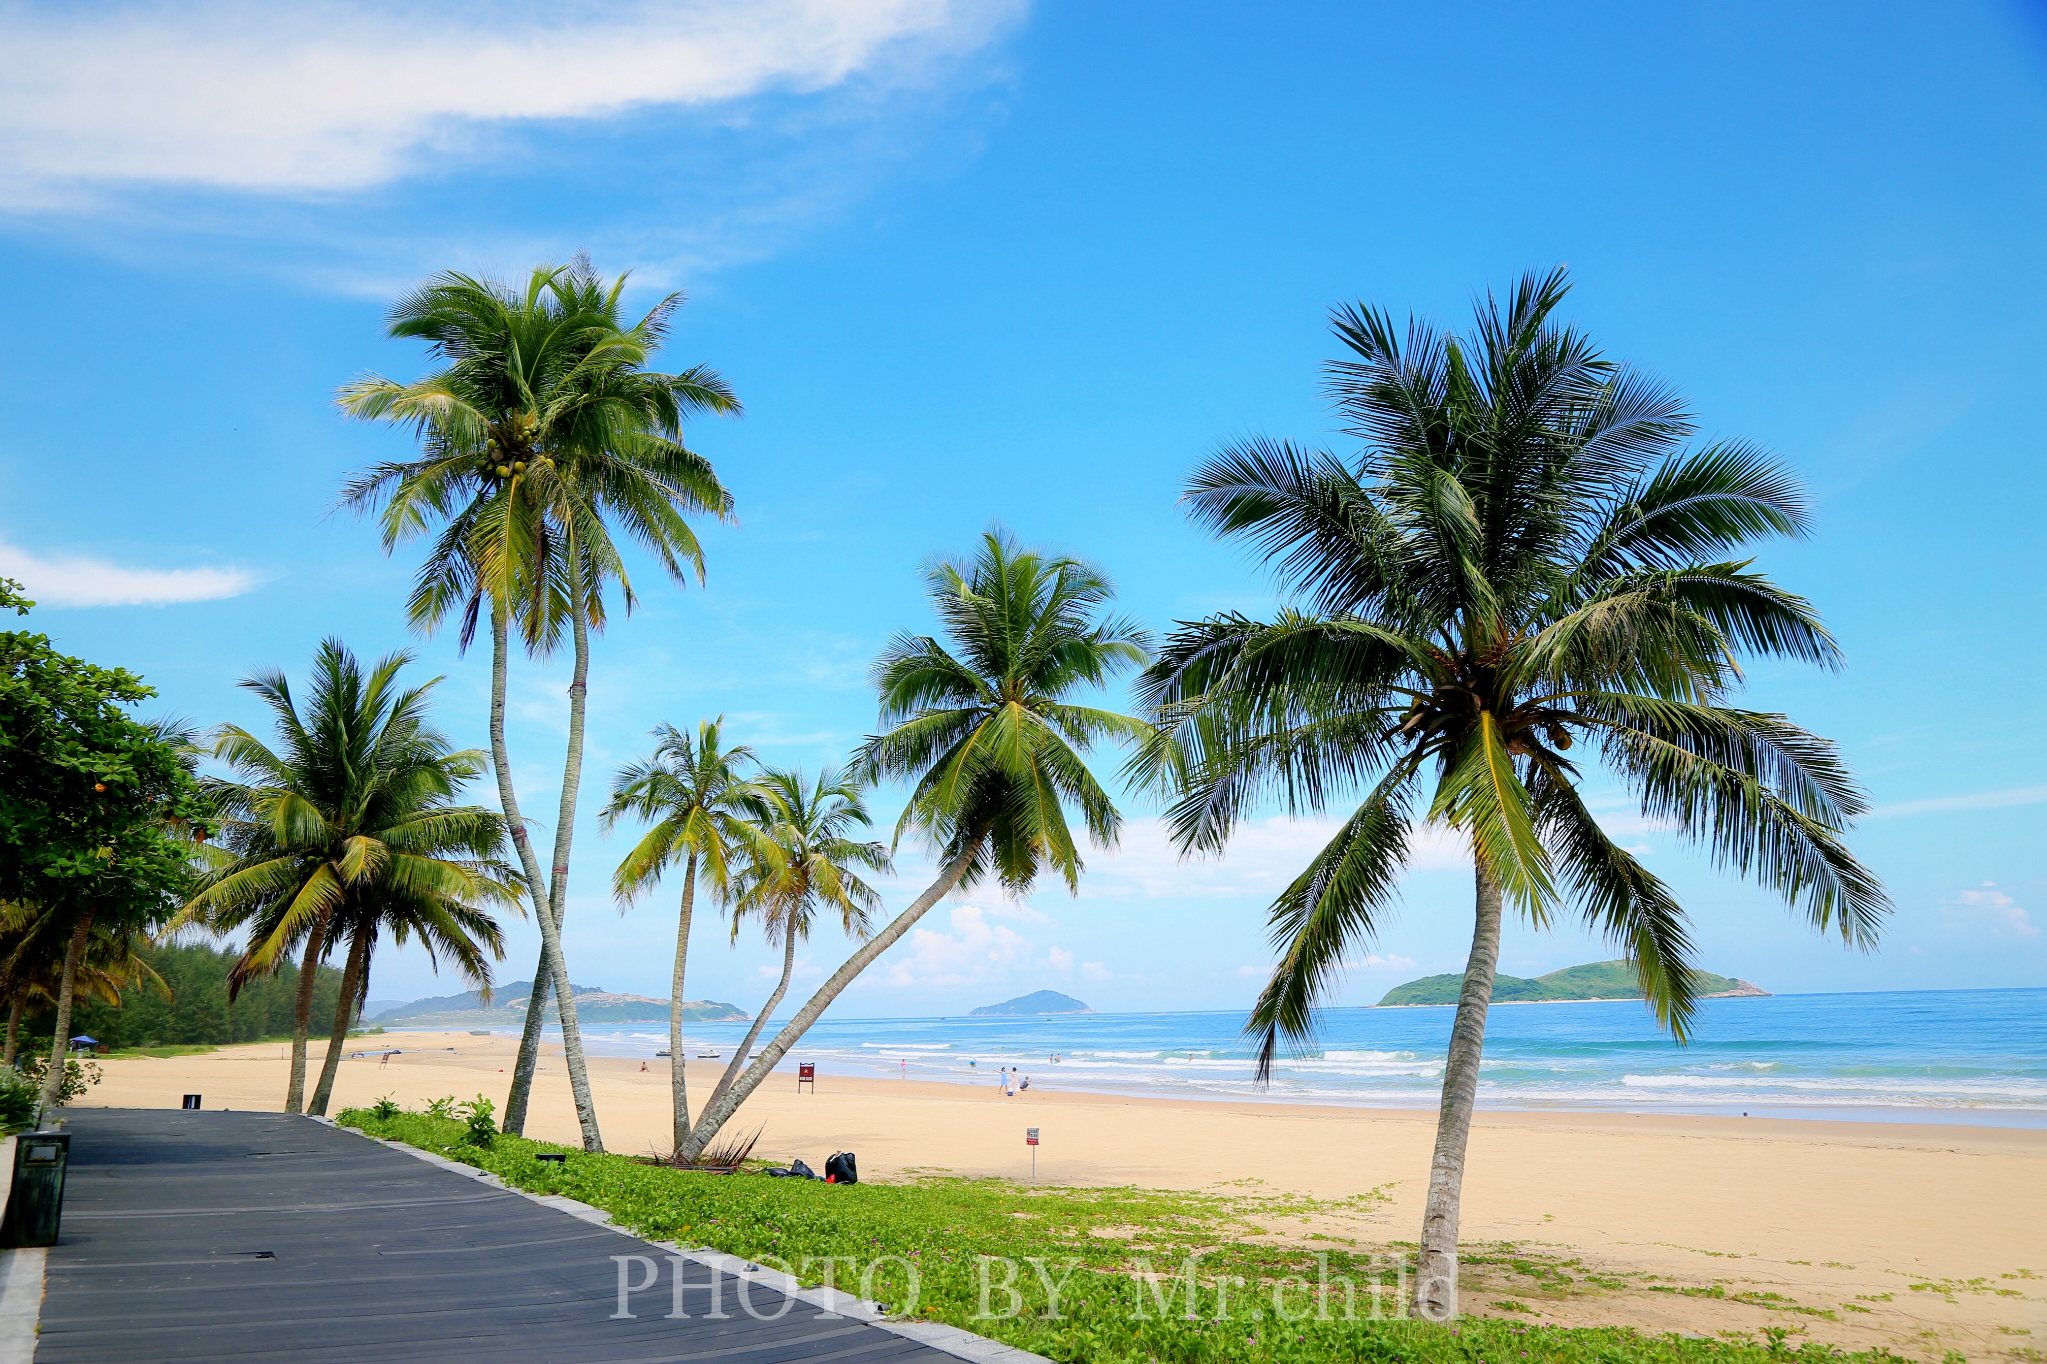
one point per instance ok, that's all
(1030, 1136)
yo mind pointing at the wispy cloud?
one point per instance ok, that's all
(78, 580)
(324, 98)
(1975, 800)
(1988, 908)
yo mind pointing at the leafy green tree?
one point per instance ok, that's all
(540, 430)
(991, 744)
(810, 862)
(693, 792)
(95, 808)
(348, 823)
(1524, 555)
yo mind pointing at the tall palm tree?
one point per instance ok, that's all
(351, 812)
(693, 792)
(1524, 554)
(809, 864)
(989, 740)
(541, 428)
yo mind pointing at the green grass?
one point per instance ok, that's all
(944, 1225)
(181, 1049)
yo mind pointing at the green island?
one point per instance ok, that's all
(1249, 1239)
(1593, 980)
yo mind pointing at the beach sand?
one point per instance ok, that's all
(1647, 1215)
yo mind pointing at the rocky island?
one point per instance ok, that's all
(1037, 1002)
(1594, 980)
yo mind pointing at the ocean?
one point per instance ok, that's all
(1952, 1056)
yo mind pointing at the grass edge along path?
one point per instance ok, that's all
(992, 1257)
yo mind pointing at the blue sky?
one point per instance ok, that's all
(968, 263)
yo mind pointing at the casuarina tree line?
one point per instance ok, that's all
(1524, 569)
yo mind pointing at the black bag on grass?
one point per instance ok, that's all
(840, 1169)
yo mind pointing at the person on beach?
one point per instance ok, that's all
(1026, 1083)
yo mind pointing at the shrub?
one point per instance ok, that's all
(20, 1097)
(483, 1129)
(79, 1076)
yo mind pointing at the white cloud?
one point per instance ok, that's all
(340, 96)
(1262, 857)
(1976, 800)
(971, 951)
(75, 580)
(1018, 912)
(1094, 970)
(1059, 959)
(1392, 961)
(1989, 908)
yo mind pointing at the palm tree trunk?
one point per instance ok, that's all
(53, 1079)
(529, 863)
(716, 1114)
(13, 1030)
(678, 1077)
(1435, 1282)
(564, 834)
(344, 1014)
(738, 1061)
(302, 1015)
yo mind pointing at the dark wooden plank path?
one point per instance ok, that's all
(257, 1236)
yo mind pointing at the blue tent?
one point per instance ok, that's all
(83, 1041)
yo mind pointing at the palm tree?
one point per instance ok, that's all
(542, 426)
(1523, 555)
(350, 816)
(994, 748)
(693, 792)
(809, 863)
(109, 964)
(446, 925)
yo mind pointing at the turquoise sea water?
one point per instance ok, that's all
(1924, 1056)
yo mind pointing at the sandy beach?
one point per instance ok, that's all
(1647, 1215)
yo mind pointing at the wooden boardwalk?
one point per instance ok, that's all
(255, 1237)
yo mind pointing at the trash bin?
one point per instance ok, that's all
(36, 1205)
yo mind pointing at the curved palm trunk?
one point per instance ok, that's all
(302, 1015)
(678, 1076)
(529, 863)
(13, 1031)
(1435, 1283)
(53, 1080)
(716, 1114)
(738, 1061)
(344, 1014)
(558, 884)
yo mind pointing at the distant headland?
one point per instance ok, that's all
(508, 1005)
(1038, 1002)
(1594, 980)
